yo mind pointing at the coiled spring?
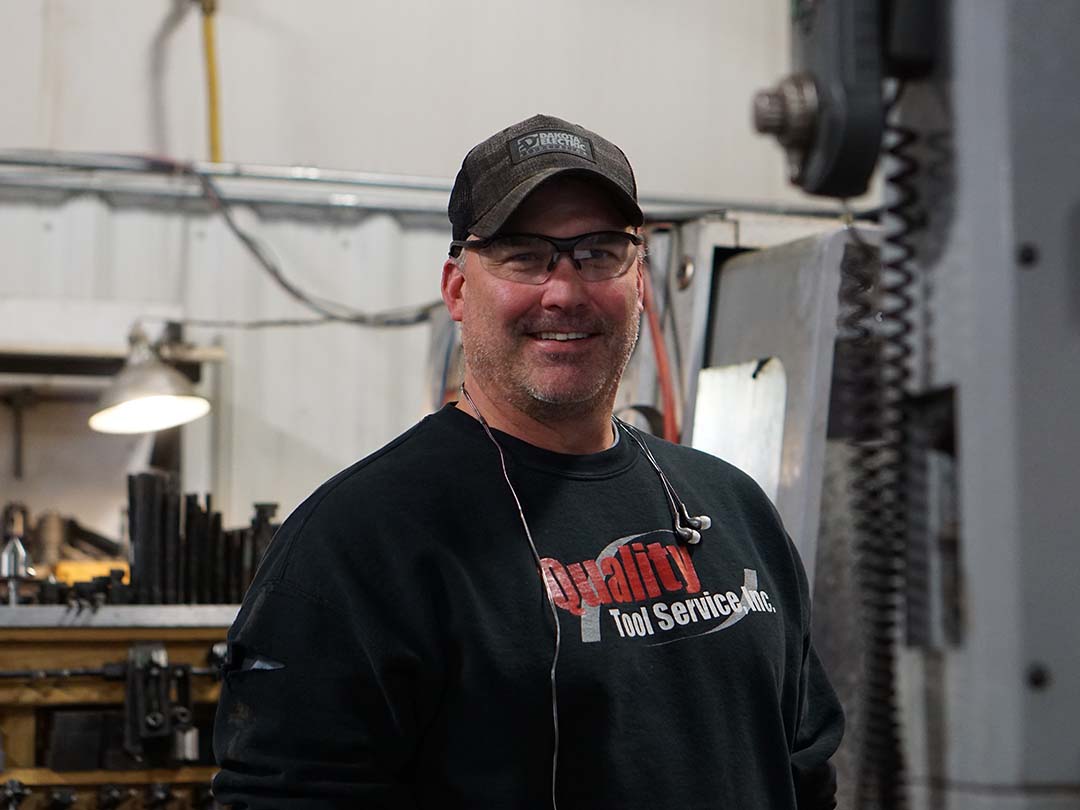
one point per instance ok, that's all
(877, 317)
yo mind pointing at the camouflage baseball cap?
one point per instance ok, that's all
(498, 174)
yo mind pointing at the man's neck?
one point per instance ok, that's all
(589, 432)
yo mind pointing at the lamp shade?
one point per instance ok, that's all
(147, 395)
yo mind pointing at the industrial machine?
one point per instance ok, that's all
(933, 379)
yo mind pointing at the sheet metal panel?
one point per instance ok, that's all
(292, 405)
(782, 302)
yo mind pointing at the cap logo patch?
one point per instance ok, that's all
(551, 140)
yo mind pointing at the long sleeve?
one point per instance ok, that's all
(820, 719)
(332, 675)
(821, 727)
(308, 718)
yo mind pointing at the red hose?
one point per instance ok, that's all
(663, 365)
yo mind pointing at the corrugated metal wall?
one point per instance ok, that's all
(291, 405)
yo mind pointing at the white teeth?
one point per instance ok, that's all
(563, 335)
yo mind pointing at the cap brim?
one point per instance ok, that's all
(490, 223)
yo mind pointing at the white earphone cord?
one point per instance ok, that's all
(547, 595)
(687, 527)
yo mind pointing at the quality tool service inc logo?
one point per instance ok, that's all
(646, 586)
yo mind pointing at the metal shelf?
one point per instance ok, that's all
(153, 616)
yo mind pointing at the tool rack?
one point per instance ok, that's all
(51, 638)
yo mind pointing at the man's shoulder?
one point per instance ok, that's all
(415, 458)
(696, 461)
(398, 454)
(365, 499)
(697, 469)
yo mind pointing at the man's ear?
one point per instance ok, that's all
(640, 286)
(453, 283)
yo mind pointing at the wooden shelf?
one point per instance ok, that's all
(40, 642)
(86, 691)
(33, 777)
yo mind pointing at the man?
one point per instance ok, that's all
(511, 605)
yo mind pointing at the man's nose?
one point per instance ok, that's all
(564, 287)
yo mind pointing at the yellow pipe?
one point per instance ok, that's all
(212, 99)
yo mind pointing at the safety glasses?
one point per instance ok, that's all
(529, 258)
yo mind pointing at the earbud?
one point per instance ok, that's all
(701, 522)
(689, 536)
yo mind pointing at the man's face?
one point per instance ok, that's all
(506, 326)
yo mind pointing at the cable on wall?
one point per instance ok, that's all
(329, 310)
(326, 310)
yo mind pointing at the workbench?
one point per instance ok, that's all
(60, 637)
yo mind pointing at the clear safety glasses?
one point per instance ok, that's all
(529, 258)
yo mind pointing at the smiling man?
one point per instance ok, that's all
(547, 328)
(511, 605)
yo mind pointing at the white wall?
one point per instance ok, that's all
(290, 406)
(89, 484)
(403, 86)
(383, 85)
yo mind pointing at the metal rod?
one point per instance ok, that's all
(191, 198)
(17, 420)
(79, 161)
(18, 401)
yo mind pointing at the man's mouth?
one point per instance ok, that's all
(561, 335)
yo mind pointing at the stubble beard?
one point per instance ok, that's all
(502, 372)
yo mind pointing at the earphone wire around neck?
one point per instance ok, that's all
(547, 594)
(687, 527)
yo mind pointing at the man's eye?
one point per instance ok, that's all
(594, 254)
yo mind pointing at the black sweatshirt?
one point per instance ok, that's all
(395, 648)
